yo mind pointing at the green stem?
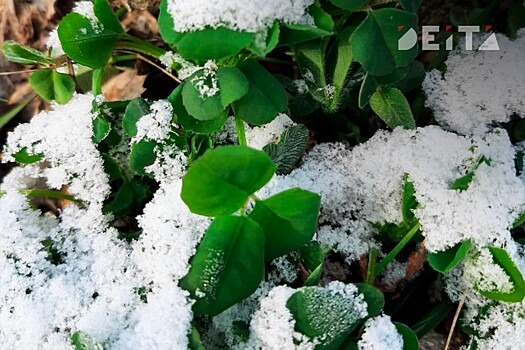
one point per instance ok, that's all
(50, 194)
(129, 42)
(370, 273)
(387, 259)
(239, 126)
(97, 81)
(4, 119)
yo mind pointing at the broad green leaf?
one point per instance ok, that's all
(312, 256)
(397, 75)
(190, 123)
(232, 83)
(87, 43)
(292, 34)
(311, 61)
(410, 5)
(413, 79)
(368, 88)
(112, 168)
(350, 5)
(228, 265)
(502, 258)
(289, 149)
(23, 157)
(289, 220)
(344, 60)
(375, 300)
(101, 128)
(375, 41)
(142, 155)
(392, 107)
(197, 103)
(271, 38)
(446, 260)
(51, 85)
(410, 341)
(265, 99)
(324, 314)
(14, 52)
(82, 341)
(221, 181)
(433, 317)
(134, 111)
(122, 201)
(212, 43)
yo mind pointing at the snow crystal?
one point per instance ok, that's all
(380, 334)
(272, 326)
(169, 165)
(73, 157)
(155, 126)
(170, 59)
(479, 88)
(207, 84)
(85, 9)
(248, 15)
(259, 136)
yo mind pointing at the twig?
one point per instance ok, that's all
(18, 72)
(454, 321)
(145, 59)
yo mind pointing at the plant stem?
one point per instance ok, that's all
(370, 275)
(50, 194)
(5, 118)
(239, 126)
(387, 259)
(96, 86)
(129, 42)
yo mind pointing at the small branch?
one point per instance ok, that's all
(19, 72)
(145, 59)
(454, 321)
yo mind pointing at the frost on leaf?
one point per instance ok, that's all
(248, 15)
(380, 333)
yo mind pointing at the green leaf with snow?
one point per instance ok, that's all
(502, 258)
(265, 42)
(409, 202)
(205, 44)
(375, 41)
(410, 341)
(23, 157)
(446, 260)
(142, 155)
(463, 183)
(17, 53)
(289, 220)
(221, 181)
(228, 265)
(190, 123)
(375, 300)
(392, 107)
(519, 221)
(81, 37)
(233, 85)
(311, 61)
(289, 149)
(135, 109)
(83, 341)
(292, 34)
(101, 128)
(201, 96)
(329, 315)
(266, 97)
(52, 86)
